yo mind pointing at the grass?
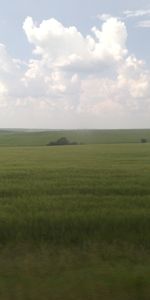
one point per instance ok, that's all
(75, 222)
(41, 138)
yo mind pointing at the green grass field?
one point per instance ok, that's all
(42, 138)
(75, 221)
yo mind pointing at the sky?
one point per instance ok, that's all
(75, 64)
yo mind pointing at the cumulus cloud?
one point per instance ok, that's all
(65, 52)
(52, 40)
(71, 76)
(56, 43)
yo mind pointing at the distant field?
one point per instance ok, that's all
(42, 138)
(75, 222)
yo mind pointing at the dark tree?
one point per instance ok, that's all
(143, 140)
(60, 142)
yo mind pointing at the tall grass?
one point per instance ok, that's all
(75, 222)
(75, 194)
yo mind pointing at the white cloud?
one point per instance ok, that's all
(103, 17)
(52, 40)
(67, 59)
(137, 13)
(144, 24)
(71, 76)
(111, 39)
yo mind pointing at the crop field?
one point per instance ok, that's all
(75, 221)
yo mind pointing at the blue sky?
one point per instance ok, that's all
(53, 76)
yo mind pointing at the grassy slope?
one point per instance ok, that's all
(19, 138)
(74, 222)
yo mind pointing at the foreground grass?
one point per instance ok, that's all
(46, 272)
(74, 222)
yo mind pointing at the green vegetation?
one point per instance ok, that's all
(75, 222)
(143, 140)
(42, 138)
(61, 142)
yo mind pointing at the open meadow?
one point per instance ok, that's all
(33, 137)
(75, 222)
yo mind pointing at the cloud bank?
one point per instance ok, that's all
(73, 80)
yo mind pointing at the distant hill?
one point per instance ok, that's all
(31, 137)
